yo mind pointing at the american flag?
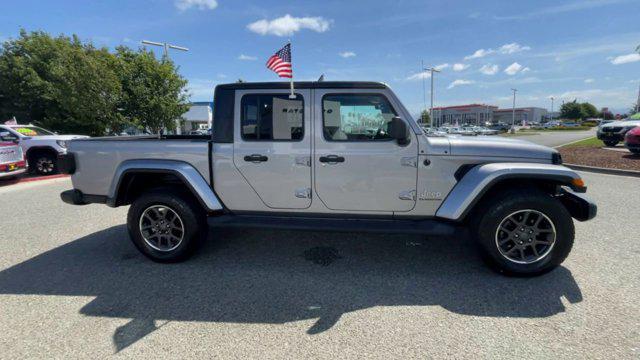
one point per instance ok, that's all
(280, 62)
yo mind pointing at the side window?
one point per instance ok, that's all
(6, 135)
(356, 117)
(272, 117)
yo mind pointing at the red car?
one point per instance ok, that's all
(632, 140)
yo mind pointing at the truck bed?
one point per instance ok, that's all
(101, 156)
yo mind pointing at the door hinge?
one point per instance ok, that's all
(303, 193)
(407, 195)
(303, 160)
(409, 161)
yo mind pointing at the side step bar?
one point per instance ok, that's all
(429, 227)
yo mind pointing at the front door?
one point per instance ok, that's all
(358, 166)
(272, 146)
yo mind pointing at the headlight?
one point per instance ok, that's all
(61, 143)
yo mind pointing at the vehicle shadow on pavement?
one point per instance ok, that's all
(273, 277)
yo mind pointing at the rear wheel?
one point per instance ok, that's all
(635, 151)
(524, 233)
(165, 225)
(610, 143)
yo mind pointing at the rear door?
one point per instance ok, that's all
(358, 166)
(272, 145)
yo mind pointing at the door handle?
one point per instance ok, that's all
(255, 158)
(331, 159)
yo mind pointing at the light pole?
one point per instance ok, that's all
(552, 98)
(513, 111)
(165, 55)
(432, 70)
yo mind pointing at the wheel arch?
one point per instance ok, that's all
(40, 149)
(136, 176)
(483, 180)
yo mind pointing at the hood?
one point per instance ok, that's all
(623, 123)
(499, 147)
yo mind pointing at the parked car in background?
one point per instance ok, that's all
(632, 140)
(40, 147)
(569, 124)
(481, 130)
(501, 127)
(613, 133)
(12, 161)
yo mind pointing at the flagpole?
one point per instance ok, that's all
(292, 95)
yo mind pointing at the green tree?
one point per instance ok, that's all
(425, 118)
(572, 110)
(589, 110)
(154, 94)
(59, 83)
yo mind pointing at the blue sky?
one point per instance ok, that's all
(566, 49)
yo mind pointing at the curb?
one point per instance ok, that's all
(601, 170)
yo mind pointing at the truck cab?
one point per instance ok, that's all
(343, 156)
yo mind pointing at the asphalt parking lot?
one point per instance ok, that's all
(72, 285)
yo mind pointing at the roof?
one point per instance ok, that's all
(520, 109)
(304, 85)
(463, 106)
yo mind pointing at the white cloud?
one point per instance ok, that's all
(525, 70)
(625, 59)
(589, 81)
(288, 25)
(441, 66)
(183, 5)
(247, 57)
(480, 53)
(460, 82)
(347, 54)
(420, 76)
(513, 48)
(513, 69)
(489, 69)
(460, 67)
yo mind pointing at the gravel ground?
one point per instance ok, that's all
(599, 157)
(72, 286)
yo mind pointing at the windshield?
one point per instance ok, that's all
(31, 131)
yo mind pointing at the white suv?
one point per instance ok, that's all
(41, 147)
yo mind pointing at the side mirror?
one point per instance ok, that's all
(399, 131)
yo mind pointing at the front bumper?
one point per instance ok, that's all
(580, 206)
(607, 136)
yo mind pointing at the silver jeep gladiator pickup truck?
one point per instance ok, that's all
(343, 156)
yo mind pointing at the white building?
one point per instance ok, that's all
(198, 117)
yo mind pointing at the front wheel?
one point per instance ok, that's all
(610, 143)
(635, 151)
(524, 233)
(165, 225)
(44, 163)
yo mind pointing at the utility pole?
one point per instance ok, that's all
(165, 55)
(424, 90)
(552, 98)
(431, 70)
(513, 111)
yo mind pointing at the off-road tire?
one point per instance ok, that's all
(190, 213)
(497, 206)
